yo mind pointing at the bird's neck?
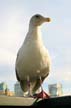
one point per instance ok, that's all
(35, 32)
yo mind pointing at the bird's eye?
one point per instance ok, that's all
(37, 16)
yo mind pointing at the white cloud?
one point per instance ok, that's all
(12, 34)
(63, 75)
(59, 75)
(7, 57)
(10, 77)
(7, 66)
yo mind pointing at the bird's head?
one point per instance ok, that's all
(38, 19)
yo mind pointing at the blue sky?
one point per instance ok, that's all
(14, 20)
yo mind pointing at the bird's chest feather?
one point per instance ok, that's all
(32, 59)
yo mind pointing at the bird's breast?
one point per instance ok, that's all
(32, 58)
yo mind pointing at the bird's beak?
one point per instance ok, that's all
(47, 19)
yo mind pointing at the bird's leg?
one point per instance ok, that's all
(41, 83)
(41, 86)
(38, 71)
(42, 94)
(28, 83)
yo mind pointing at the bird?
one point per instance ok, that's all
(33, 61)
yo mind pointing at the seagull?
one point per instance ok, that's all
(33, 61)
